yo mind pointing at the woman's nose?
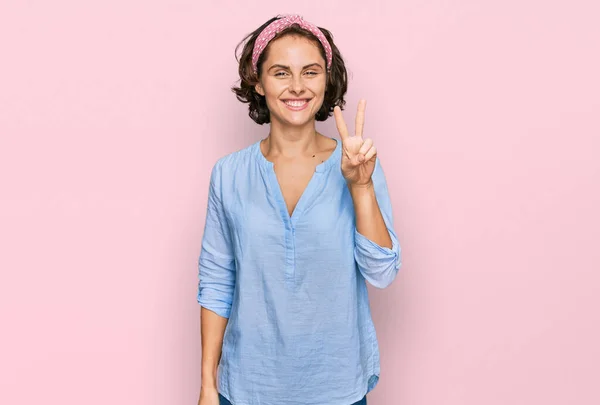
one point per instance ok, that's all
(297, 84)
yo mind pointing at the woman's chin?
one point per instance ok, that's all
(298, 122)
(296, 118)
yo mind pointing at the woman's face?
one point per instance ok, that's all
(293, 80)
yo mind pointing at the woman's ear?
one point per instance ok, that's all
(259, 89)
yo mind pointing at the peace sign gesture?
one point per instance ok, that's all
(358, 154)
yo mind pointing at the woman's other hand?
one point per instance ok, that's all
(208, 396)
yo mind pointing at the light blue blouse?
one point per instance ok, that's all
(293, 287)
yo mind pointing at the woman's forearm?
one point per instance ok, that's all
(369, 220)
(212, 329)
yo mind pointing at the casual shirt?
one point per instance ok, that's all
(299, 328)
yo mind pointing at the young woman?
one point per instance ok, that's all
(295, 224)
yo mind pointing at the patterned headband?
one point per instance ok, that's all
(277, 26)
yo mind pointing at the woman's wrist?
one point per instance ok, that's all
(362, 193)
(208, 385)
(209, 378)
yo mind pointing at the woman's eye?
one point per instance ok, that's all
(310, 73)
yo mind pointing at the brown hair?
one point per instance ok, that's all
(337, 77)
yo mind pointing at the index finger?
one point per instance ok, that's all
(360, 117)
(339, 123)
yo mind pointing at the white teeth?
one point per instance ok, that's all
(294, 103)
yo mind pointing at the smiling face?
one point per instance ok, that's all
(293, 80)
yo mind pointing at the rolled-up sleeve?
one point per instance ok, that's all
(379, 264)
(216, 264)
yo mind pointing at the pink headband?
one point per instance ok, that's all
(277, 26)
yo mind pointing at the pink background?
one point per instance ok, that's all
(486, 115)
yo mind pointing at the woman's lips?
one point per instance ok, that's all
(296, 105)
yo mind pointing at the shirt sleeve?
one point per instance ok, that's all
(216, 264)
(379, 264)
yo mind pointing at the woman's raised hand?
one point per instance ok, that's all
(358, 154)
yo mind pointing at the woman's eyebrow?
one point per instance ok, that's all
(288, 68)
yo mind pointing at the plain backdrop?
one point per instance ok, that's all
(486, 115)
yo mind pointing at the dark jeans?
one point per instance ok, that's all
(224, 401)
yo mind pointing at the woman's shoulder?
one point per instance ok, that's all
(236, 160)
(236, 166)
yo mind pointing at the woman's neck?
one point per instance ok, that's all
(292, 141)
